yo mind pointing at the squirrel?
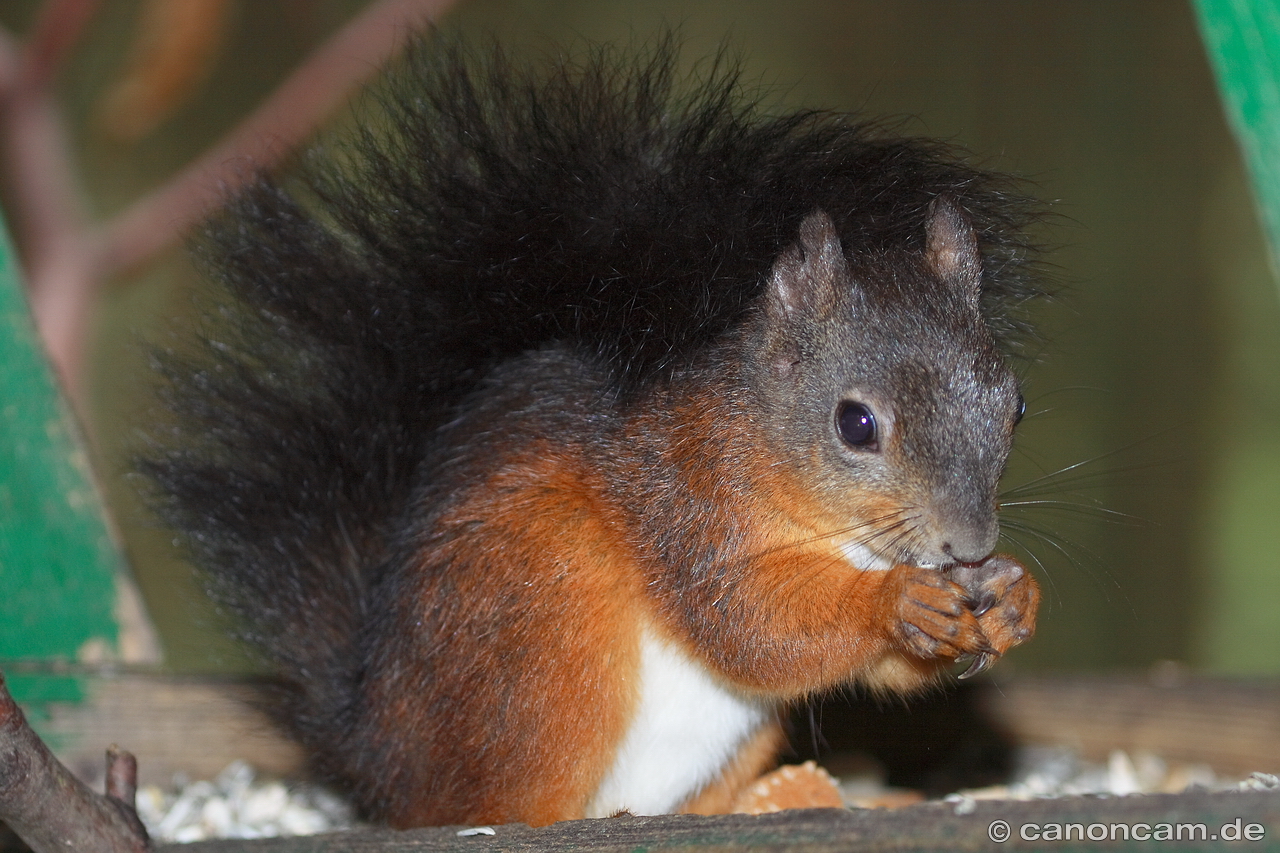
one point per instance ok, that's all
(562, 425)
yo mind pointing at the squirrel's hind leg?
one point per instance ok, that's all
(748, 785)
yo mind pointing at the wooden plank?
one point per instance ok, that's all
(193, 726)
(965, 826)
(1233, 725)
(199, 725)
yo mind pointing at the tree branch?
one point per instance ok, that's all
(49, 808)
(58, 27)
(284, 120)
(51, 222)
(67, 261)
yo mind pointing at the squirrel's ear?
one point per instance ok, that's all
(804, 279)
(951, 246)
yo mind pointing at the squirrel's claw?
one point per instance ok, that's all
(1004, 597)
(982, 661)
(981, 602)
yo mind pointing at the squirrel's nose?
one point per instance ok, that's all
(970, 543)
(965, 555)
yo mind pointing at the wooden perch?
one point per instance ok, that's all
(1205, 819)
(49, 808)
(42, 801)
(1231, 724)
(199, 725)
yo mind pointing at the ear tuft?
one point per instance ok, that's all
(804, 279)
(951, 246)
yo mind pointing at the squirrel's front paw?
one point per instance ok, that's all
(1004, 597)
(933, 617)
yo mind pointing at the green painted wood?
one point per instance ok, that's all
(1242, 38)
(58, 564)
(1239, 630)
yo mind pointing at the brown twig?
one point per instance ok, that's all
(67, 260)
(58, 27)
(285, 119)
(49, 808)
(122, 776)
(50, 221)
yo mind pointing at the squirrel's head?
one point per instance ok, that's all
(886, 393)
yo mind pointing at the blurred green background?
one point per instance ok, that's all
(1157, 395)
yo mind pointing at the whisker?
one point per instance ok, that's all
(1107, 455)
(1065, 388)
(1109, 515)
(800, 580)
(865, 533)
(1055, 481)
(1065, 547)
(875, 523)
(1044, 571)
(882, 534)
(904, 532)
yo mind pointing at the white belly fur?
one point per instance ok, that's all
(688, 724)
(862, 557)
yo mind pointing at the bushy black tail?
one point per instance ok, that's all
(294, 435)
(484, 209)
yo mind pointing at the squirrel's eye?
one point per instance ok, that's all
(1022, 410)
(857, 425)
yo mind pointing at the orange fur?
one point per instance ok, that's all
(566, 586)
(571, 582)
(806, 619)
(568, 607)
